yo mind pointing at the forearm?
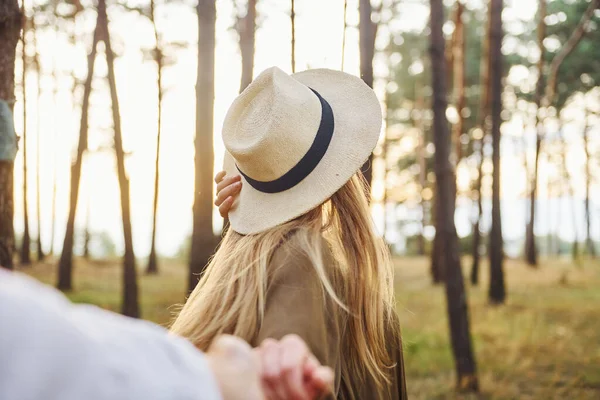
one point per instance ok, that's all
(52, 349)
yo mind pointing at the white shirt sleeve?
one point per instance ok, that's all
(51, 349)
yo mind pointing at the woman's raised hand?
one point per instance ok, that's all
(227, 188)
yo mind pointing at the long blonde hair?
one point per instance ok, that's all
(231, 295)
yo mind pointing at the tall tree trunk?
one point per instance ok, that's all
(497, 292)
(476, 245)
(293, 20)
(569, 188)
(38, 73)
(344, 35)
(65, 265)
(367, 33)
(26, 241)
(203, 241)
(247, 33)
(10, 28)
(456, 296)
(130, 306)
(422, 165)
(246, 26)
(482, 117)
(152, 267)
(87, 236)
(437, 269)
(588, 181)
(55, 137)
(458, 74)
(549, 244)
(530, 245)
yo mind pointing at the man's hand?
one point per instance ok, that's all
(277, 370)
(236, 368)
(290, 371)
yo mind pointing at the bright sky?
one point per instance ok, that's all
(318, 38)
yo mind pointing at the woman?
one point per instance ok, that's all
(301, 255)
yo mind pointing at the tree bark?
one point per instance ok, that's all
(246, 26)
(569, 188)
(588, 181)
(10, 28)
(497, 292)
(87, 236)
(247, 33)
(476, 245)
(65, 265)
(367, 34)
(203, 241)
(438, 266)
(484, 106)
(55, 136)
(549, 244)
(530, 245)
(445, 178)
(422, 166)
(130, 305)
(293, 20)
(344, 35)
(152, 267)
(26, 241)
(38, 72)
(458, 74)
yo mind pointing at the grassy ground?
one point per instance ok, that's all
(543, 344)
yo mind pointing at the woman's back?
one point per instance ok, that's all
(298, 143)
(298, 303)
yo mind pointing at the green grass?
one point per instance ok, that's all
(544, 343)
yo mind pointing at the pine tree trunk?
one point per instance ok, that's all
(293, 21)
(38, 72)
(530, 245)
(65, 265)
(152, 267)
(87, 234)
(247, 33)
(247, 37)
(344, 35)
(10, 28)
(458, 74)
(437, 263)
(550, 214)
(588, 178)
(422, 164)
(26, 241)
(456, 297)
(484, 101)
(203, 241)
(367, 33)
(55, 139)
(569, 188)
(130, 306)
(497, 292)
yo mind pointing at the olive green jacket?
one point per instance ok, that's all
(297, 303)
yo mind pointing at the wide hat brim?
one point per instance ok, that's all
(357, 120)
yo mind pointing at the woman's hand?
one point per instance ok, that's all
(227, 188)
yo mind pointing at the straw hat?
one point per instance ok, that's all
(296, 140)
